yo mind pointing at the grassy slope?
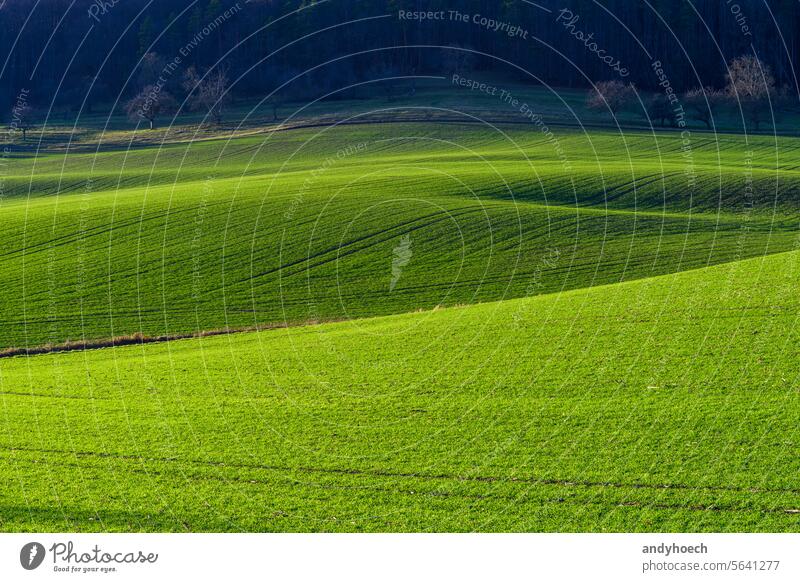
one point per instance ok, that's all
(668, 403)
(142, 240)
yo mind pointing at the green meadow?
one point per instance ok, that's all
(489, 327)
(663, 404)
(301, 226)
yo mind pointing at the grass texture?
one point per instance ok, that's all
(664, 404)
(307, 225)
(515, 328)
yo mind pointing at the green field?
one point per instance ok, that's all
(564, 330)
(286, 228)
(662, 404)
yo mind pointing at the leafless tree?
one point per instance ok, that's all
(22, 119)
(457, 59)
(703, 103)
(151, 103)
(613, 96)
(389, 84)
(275, 101)
(751, 88)
(209, 92)
(658, 108)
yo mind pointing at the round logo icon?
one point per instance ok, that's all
(31, 555)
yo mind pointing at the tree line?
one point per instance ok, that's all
(749, 90)
(76, 54)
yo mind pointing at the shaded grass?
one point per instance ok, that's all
(257, 231)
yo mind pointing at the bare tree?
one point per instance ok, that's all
(21, 119)
(658, 108)
(613, 96)
(275, 101)
(751, 87)
(703, 103)
(457, 59)
(151, 103)
(388, 82)
(209, 92)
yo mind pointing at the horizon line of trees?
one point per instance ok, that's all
(71, 60)
(208, 93)
(750, 90)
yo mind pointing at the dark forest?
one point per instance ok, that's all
(80, 53)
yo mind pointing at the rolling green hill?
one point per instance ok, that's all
(306, 225)
(515, 328)
(663, 404)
